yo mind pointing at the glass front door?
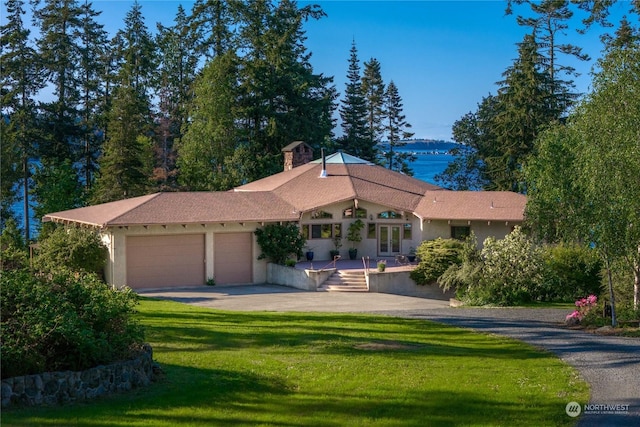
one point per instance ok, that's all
(389, 240)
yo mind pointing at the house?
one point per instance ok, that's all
(185, 238)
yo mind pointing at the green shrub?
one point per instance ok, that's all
(436, 256)
(571, 271)
(64, 321)
(279, 241)
(13, 249)
(512, 270)
(75, 249)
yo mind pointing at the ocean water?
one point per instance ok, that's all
(426, 167)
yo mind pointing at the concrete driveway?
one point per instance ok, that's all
(282, 298)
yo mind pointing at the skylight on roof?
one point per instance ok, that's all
(343, 159)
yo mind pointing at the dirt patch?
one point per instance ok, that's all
(385, 345)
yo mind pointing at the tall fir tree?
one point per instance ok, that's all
(211, 25)
(92, 108)
(59, 45)
(281, 99)
(178, 68)
(22, 78)
(211, 137)
(355, 138)
(373, 89)
(127, 161)
(527, 106)
(396, 131)
(548, 23)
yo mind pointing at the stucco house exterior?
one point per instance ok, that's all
(185, 238)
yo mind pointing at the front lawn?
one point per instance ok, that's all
(310, 369)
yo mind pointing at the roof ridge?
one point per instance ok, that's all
(151, 197)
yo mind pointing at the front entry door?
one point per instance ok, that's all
(389, 240)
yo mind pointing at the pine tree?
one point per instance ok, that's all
(396, 130)
(373, 89)
(21, 80)
(353, 113)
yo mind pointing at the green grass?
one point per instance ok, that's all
(310, 369)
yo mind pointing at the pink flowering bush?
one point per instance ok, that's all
(584, 306)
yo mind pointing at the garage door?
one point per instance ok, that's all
(233, 258)
(162, 261)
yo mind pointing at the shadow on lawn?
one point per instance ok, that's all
(215, 397)
(207, 330)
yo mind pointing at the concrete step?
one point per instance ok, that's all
(345, 281)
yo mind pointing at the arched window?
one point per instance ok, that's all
(390, 215)
(354, 213)
(321, 215)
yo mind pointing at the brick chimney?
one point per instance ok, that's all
(297, 153)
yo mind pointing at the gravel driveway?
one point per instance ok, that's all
(611, 365)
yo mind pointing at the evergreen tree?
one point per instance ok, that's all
(211, 137)
(178, 66)
(373, 89)
(127, 159)
(548, 24)
(136, 53)
(476, 134)
(21, 75)
(527, 106)
(92, 106)
(396, 130)
(353, 113)
(211, 25)
(60, 24)
(281, 99)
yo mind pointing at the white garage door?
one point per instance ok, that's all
(163, 261)
(233, 258)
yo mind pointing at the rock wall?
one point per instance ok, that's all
(55, 388)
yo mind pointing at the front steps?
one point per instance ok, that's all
(345, 281)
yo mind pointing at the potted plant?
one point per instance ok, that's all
(382, 265)
(337, 244)
(309, 254)
(412, 254)
(354, 236)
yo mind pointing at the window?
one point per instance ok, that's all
(390, 215)
(337, 230)
(371, 231)
(354, 213)
(407, 231)
(460, 233)
(321, 215)
(321, 231)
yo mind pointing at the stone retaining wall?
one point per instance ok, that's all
(54, 388)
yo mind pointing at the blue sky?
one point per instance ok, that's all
(443, 56)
